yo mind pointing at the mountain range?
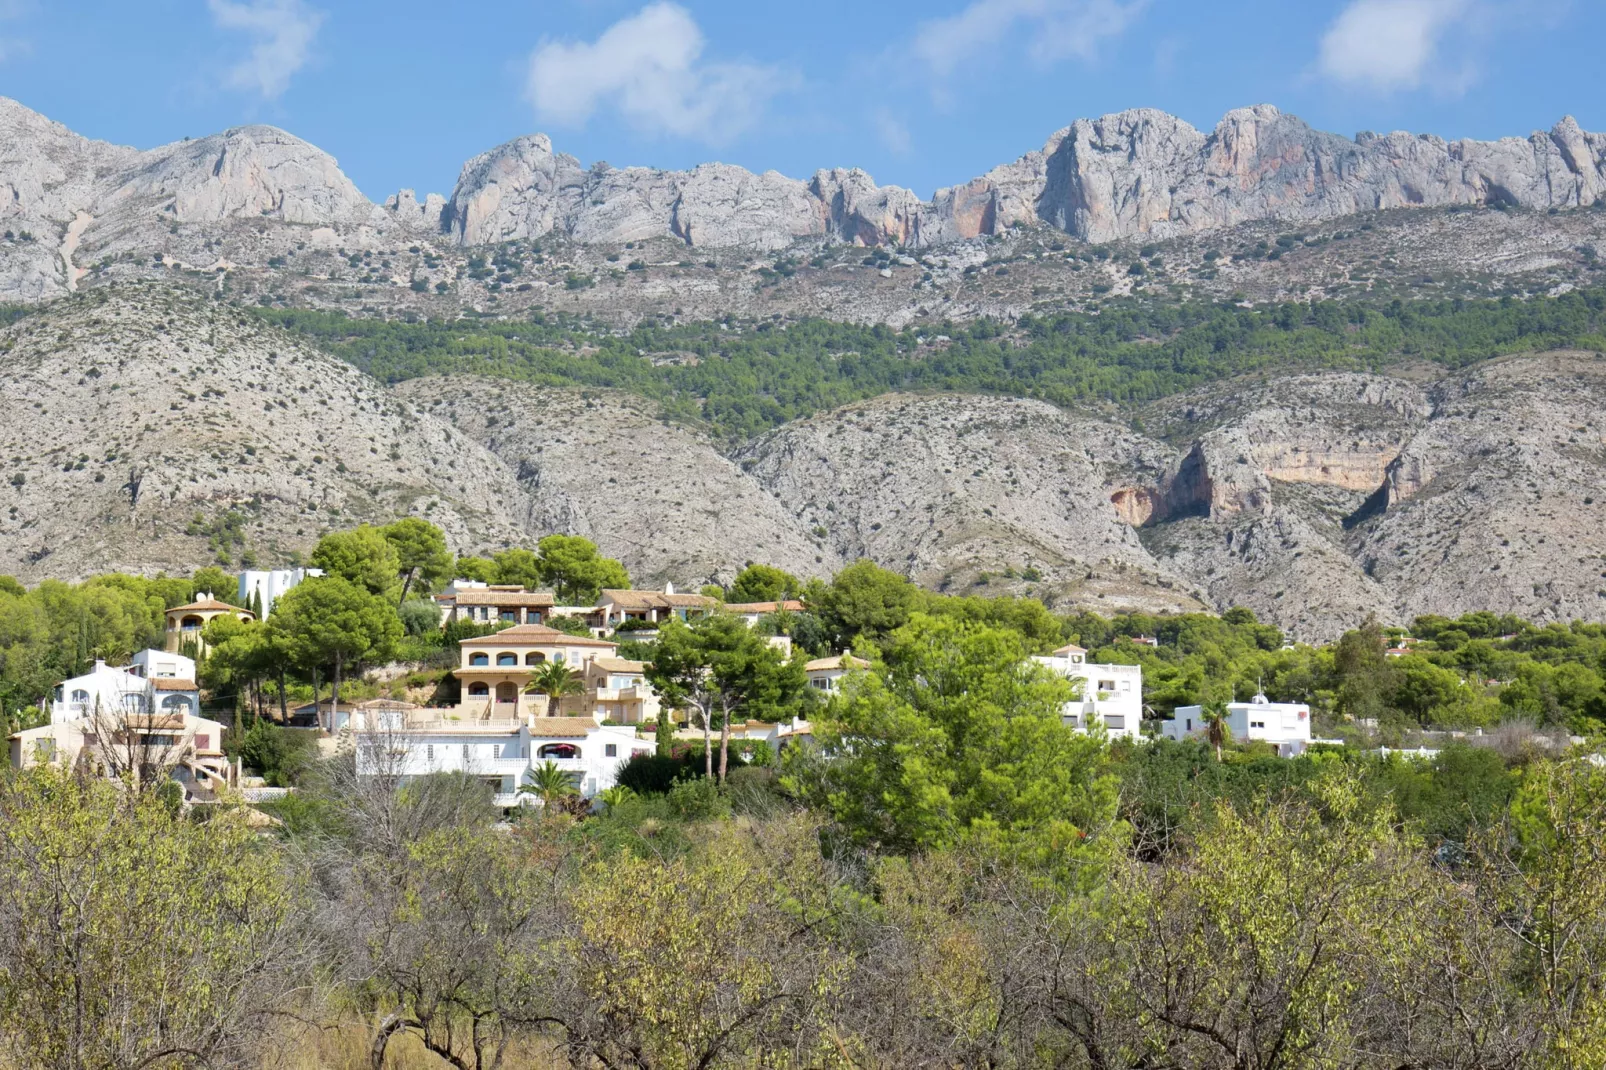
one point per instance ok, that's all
(1133, 175)
(149, 419)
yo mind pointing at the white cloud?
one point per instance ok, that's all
(282, 32)
(1054, 30)
(650, 68)
(11, 47)
(1390, 45)
(893, 133)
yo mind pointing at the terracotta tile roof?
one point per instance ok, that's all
(619, 665)
(791, 606)
(1070, 648)
(561, 727)
(825, 664)
(654, 600)
(207, 606)
(535, 634)
(167, 683)
(542, 599)
(386, 704)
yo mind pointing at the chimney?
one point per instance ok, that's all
(669, 588)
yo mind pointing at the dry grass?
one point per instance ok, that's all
(345, 1047)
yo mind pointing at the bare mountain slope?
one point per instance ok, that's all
(127, 414)
(1319, 499)
(658, 496)
(948, 488)
(146, 428)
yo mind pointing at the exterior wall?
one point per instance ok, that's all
(1285, 725)
(503, 752)
(162, 665)
(105, 689)
(827, 681)
(1111, 695)
(196, 740)
(272, 585)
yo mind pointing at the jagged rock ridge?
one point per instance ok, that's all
(1139, 173)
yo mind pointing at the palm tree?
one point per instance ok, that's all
(1214, 716)
(549, 784)
(555, 681)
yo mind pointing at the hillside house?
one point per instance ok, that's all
(272, 585)
(486, 603)
(404, 744)
(127, 744)
(495, 669)
(1112, 695)
(615, 607)
(153, 681)
(1284, 725)
(752, 612)
(825, 674)
(617, 691)
(184, 623)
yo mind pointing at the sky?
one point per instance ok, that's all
(920, 94)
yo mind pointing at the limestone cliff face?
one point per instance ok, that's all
(1133, 174)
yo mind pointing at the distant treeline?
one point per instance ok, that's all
(743, 379)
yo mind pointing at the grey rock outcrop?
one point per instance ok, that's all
(1133, 174)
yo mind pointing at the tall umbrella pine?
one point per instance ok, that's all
(332, 621)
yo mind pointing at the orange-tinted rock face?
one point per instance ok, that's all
(1134, 505)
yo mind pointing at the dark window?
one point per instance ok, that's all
(479, 659)
(611, 750)
(507, 659)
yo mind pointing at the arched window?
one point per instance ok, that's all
(507, 659)
(80, 697)
(534, 658)
(191, 623)
(176, 704)
(558, 750)
(479, 659)
(479, 690)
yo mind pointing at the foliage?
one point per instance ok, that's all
(746, 381)
(362, 556)
(763, 583)
(420, 616)
(132, 937)
(576, 571)
(423, 560)
(960, 739)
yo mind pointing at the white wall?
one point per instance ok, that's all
(273, 584)
(1119, 706)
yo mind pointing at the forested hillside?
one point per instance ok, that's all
(745, 377)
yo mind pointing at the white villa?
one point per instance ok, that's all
(153, 681)
(1285, 725)
(825, 674)
(139, 720)
(408, 743)
(272, 585)
(1111, 694)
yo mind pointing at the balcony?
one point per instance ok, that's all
(618, 694)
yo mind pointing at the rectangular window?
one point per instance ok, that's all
(496, 750)
(468, 751)
(203, 741)
(429, 753)
(510, 615)
(610, 750)
(1115, 723)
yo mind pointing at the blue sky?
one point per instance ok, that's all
(920, 94)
